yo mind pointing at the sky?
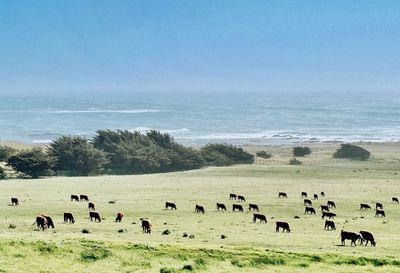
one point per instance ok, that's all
(194, 46)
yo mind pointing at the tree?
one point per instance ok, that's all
(2, 173)
(301, 151)
(352, 152)
(225, 155)
(32, 163)
(6, 152)
(263, 154)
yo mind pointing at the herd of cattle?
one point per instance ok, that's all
(44, 221)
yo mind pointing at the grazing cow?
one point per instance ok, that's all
(221, 206)
(364, 206)
(146, 225)
(83, 198)
(330, 225)
(303, 194)
(324, 208)
(232, 196)
(14, 201)
(379, 206)
(330, 215)
(368, 237)
(315, 196)
(237, 207)
(253, 207)
(352, 236)
(322, 194)
(241, 198)
(307, 202)
(260, 217)
(41, 222)
(91, 206)
(94, 215)
(120, 215)
(170, 205)
(69, 218)
(331, 204)
(74, 198)
(282, 194)
(395, 200)
(283, 225)
(199, 209)
(380, 213)
(309, 210)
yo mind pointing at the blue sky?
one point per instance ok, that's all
(194, 46)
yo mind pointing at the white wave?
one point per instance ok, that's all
(42, 141)
(169, 131)
(132, 111)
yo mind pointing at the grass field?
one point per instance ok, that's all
(247, 247)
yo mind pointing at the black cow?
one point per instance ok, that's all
(368, 237)
(324, 208)
(69, 218)
(283, 225)
(50, 222)
(84, 198)
(91, 206)
(282, 194)
(348, 235)
(309, 210)
(330, 215)
(330, 225)
(221, 206)
(41, 222)
(253, 207)
(237, 207)
(315, 196)
(241, 198)
(322, 194)
(199, 209)
(232, 196)
(14, 201)
(303, 194)
(379, 206)
(395, 200)
(94, 215)
(331, 204)
(170, 205)
(307, 202)
(120, 215)
(146, 225)
(260, 217)
(380, 213)
(364, 206)
(74, 198)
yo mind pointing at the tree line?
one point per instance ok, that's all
(118, 152)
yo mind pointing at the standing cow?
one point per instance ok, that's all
(14, 201)
(120, 215)
(91, 206)
(74, 198)
(146, 225)
(330, 225)
(84, 198)
(170, 205)
(364, 206)
(368, 237)
(260, 217)
(94, 215)
(221, 206)
(282, 194)
(307, 202)
(241, 198)
(352, 236)
(69, 218)
(309, 210)
(283, 225)
(237, 207)
(253, 207)
(199, 209)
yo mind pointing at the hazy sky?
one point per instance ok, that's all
(88, 46)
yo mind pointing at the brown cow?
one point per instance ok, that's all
(91, 206)
(94, 215)
(307, 202)
(282, 194)
(84, 198)
(253, 207)
(146, 225)
(120, 215)
(260, 217)
(221, 206)
(14, 201)
(283, 225)
(74, 198)
(199, 209)
(309, 210)
(237, 207)
(241, 198)
(69, 218)
(330, 225)
(170, 205)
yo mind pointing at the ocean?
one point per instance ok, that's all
(199, 118)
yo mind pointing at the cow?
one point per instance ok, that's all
(283, 225)
(221, 206)
(199, 209)
(232, 196)
(379, 206)
(241, 198)
(309, 210)
(260, 217)
(315, 196)
(330, 215)
(330, 225)
(331, 204)
(94, 215)
(348, 235)
(146, 225)
(253, 207)
(303, 194)
(368, 237)
(74, 198)
(307, 202)
(170, 205)
(237, 207)
(120, 215)
(324, 208)
(364, 206)
(380, 213)
(14, 201)
(41, 222)
(282, 194)
(91, 206)
(69, 218)
(322, 194)
(83, 198)
(395, 200)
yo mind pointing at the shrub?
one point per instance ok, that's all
(32, 163)
(95, 253)
(352, 152)
(167, 270)
(263, 154)
(225, 155)
(301, 151)
(294, 161)
(2, 173)
(6, 152)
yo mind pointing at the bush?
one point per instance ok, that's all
(301, 151)
(294, 161)
(95, 253)
(263, 154)
(2, 173)
(352, 152)
(32, 163)
(225, 155)
(6, 152)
